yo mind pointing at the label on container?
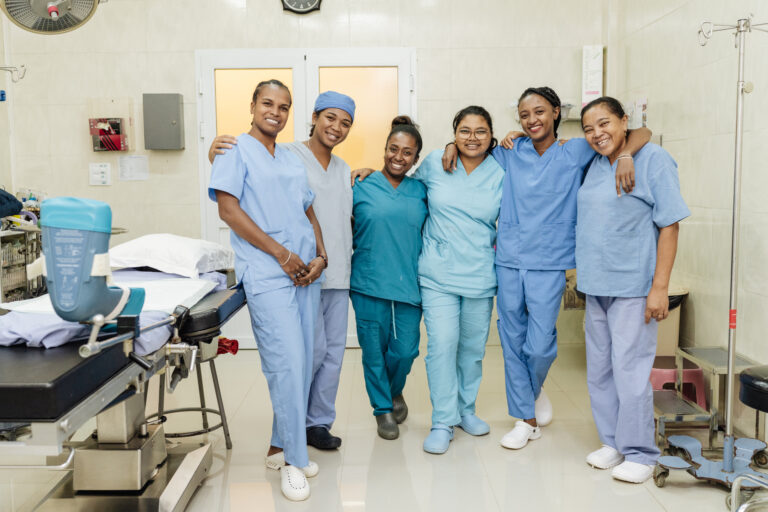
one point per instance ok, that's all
(70, 247)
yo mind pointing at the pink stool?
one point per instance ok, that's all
(664, 372)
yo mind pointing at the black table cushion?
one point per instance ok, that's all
(754, 387)
(208, 315)
(41, 385)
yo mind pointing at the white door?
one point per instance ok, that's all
(380, 80)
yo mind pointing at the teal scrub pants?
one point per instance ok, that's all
(388, 332)
(457, 330)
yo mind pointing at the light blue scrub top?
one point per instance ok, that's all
(460, 232)
(616, 237)
(387, 238)
(537, 221)
(275, 194)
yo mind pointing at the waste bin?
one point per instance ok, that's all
(669, 329)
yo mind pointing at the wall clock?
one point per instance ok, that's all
(301, 6)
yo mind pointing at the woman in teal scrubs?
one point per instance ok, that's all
(389, 211)
(456, 274)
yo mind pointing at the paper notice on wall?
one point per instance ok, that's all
(134, 168)
(638, 113)
(591, 73)
(100, 174)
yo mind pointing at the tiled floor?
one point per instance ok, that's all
(371, 474)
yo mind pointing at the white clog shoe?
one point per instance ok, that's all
(519, 436)
(277, 461)
(543, 409)
(632, 472)
(294, 483)
(605, 458)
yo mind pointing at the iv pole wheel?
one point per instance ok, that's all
(744, 496)
(660, 475)
(761, 459)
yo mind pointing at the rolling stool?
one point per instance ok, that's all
(664, 372)
(753, 393)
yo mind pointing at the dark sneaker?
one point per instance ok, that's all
(322, 439)
(399, 408)
(387, 426)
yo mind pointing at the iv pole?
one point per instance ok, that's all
(705, 33)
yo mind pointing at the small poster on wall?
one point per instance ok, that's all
(108, 134)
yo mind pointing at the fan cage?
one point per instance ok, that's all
(23, 13)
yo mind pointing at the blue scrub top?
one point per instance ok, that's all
(387, 238)
(275, 194)
(460, 231)
(616, 237)
(537, 222)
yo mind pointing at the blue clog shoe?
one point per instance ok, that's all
(438, 439)
(473, 425)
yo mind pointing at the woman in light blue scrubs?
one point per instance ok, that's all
(534, 246)
(456, 273)
(389, 211)
(329, 179)
(625, 249)
(264, 197)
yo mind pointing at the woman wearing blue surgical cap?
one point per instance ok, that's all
(264, 197)
(625, 249)
(329, 179)
(534, 247)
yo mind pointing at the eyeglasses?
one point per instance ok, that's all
(466, 133)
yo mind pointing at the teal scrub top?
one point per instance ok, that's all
(273, 191)
(387, 238)
(460, 232)
(616, 237)
(537, 222)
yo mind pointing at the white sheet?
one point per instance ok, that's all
(161, 295)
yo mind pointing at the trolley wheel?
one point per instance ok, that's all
(660, 475)
(761, 459)
(744, 496)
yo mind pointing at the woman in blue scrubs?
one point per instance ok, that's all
(389, 211)
(263, 196)
(625, 249)
(329, 179)
(534, 246)
(456, 274)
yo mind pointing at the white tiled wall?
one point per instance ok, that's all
(691, 94)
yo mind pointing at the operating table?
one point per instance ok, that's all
(47, 395)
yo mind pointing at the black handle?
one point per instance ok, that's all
(139, 360)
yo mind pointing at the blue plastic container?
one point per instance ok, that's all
(74, 230)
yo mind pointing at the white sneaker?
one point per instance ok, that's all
(277, 461)
(294, 483)
(632, 472)
(605, 458)
(519, 436)
(543, 409)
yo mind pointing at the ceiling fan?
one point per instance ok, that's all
(49, 16)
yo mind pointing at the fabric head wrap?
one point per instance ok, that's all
(333, 99)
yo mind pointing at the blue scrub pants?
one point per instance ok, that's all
(330, 341)
(528, 302)
(283, 322)
(388, 332)
(457, 329)
(621, 348)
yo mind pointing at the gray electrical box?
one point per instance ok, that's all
(163, 121)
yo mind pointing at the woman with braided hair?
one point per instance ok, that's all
(535, 245)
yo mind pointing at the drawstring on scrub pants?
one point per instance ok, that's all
(394, 322)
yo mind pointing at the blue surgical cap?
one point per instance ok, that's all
(333, 99)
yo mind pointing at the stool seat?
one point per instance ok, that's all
(664, 372)
(754, 387)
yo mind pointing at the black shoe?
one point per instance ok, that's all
(399, 408)
(387, 426)
(322, 439)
